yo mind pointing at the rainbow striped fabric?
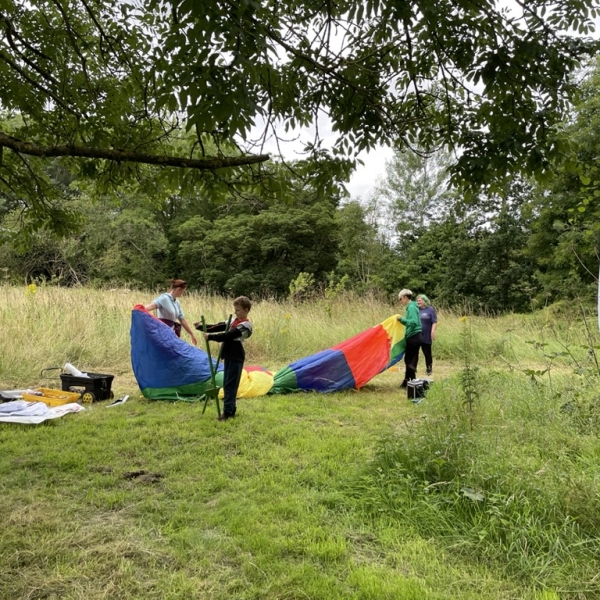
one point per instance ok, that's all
(169, 368)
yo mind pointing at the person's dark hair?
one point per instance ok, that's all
(243, 301)
(177, 283)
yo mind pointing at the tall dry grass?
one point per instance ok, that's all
(47, 326)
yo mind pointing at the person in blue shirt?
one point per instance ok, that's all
(412, 335)
(169, 310)
(428, 327)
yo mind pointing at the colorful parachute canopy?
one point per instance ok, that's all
(351, 364)
(165, 366)
(169, 368)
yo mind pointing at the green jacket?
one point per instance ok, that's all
(411, 319)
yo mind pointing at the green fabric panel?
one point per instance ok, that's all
(397, 350)
(182, 392)
(284, 382)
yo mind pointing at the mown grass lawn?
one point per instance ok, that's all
(489, 489)
(156, 500)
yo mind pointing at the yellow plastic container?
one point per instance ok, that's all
(52, 397)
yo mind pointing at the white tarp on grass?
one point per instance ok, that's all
(32, 413)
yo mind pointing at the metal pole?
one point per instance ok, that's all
(214, 391)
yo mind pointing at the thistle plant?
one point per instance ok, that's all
(468, 374)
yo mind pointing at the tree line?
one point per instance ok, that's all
(532, 244)
(129, 152)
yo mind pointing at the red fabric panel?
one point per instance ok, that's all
(250, 369)
(366, 353)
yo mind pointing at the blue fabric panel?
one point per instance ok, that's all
(325, 371)
(160, 359)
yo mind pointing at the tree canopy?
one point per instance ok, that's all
(187, 83)
(146, 125)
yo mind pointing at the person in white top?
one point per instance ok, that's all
(168, 309)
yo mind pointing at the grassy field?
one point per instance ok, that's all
(487, 489)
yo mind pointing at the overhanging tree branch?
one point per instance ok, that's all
(38, 86)
(207, 164)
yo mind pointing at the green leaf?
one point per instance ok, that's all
(472, 494)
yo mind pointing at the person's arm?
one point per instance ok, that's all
(403, 319)
(151, 306)
(433, 323)
(411, 317)
(216, 327)
(433, 328)
(185, 325)
(239, 333)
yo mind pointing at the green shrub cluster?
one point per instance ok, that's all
(516, 483)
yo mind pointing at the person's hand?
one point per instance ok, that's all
(433, 335)
(205, 336)
(194, 340)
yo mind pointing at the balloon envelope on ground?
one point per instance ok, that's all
(168, 368)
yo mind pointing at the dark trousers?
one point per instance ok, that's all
(231, 381)
(411, 356)
(174, 325)
(428, 357)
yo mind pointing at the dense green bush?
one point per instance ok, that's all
(515, 483)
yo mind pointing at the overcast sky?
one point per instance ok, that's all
(364, 179)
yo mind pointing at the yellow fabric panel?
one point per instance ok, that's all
(394, 328)
(252, 384)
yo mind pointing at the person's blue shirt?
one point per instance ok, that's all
(428, 318)
(168, 307)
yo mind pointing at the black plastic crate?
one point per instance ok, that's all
(95, 387)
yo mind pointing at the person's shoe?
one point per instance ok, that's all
(224, 417)
(403, 384)
(429, 371)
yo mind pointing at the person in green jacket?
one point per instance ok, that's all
(412, 335)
